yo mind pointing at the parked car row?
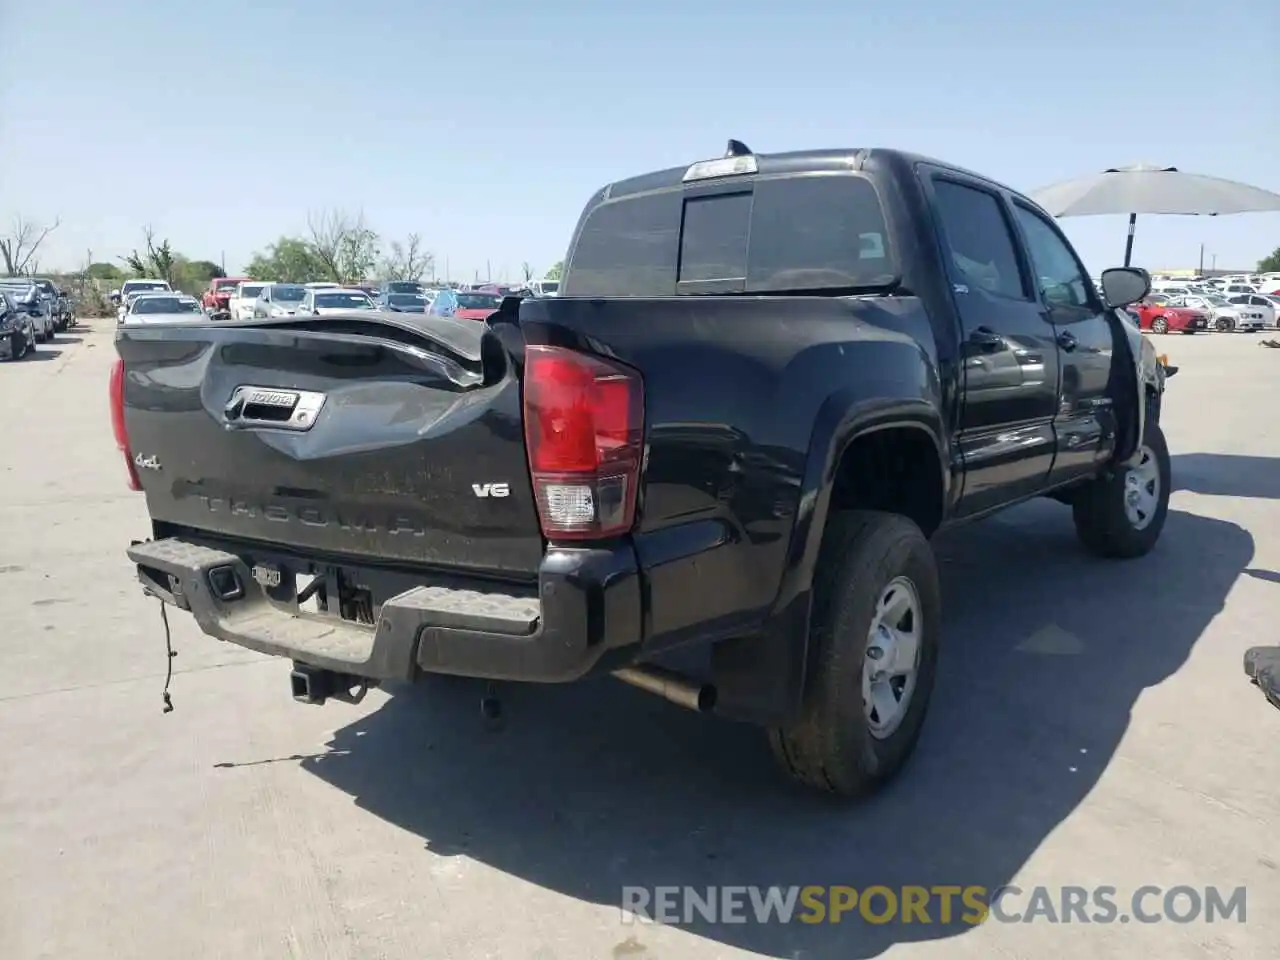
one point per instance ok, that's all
(1230, 286)
(1165, 313)
(32, 311)
(238, 299)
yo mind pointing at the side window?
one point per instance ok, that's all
(1058, 274)
(817, 232)
(627, 248)
(977, 239)
(4, 305)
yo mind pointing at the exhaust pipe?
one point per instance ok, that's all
(680, 690)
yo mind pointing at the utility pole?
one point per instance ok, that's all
(224, 262)
(1201, 270)
(488, 270)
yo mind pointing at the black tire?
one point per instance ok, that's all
(831, 745)
(1223, 325)
(1159, 325)
(1102, 522)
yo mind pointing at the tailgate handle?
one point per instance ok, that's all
(273, 407)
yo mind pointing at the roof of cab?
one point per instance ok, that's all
(837, 159)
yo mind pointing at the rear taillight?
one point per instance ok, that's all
(116, 392)
(584, 429)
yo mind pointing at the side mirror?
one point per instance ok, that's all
(1122, 286)
(114, 296)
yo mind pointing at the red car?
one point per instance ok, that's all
(465, 304)
(219, 293)
(1162, 318)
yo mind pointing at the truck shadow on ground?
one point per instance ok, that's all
(595, 786)
(1228, 475)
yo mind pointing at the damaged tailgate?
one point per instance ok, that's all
(396, 439)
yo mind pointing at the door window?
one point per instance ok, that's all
(977, 239)
(1061, 281)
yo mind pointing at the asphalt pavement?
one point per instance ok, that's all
(1092, 727)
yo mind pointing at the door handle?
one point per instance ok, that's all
(986, 337)
(1067, 341)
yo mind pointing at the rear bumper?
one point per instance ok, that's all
(586, 603)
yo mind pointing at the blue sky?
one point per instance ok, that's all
(486, 126)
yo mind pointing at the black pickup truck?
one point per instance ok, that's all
(767, 381)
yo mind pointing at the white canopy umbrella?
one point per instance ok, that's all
(1145, 188)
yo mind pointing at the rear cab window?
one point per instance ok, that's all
(811, 231)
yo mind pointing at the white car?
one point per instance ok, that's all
(1222, 315)
(319, 302)
(1256, 311)
(241, 303)
(131, 288)
(279, 300)
(1236, 289)
(163, 308)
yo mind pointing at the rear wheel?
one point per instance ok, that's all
(1223, 324)
(1122, 513)
(873, 648)
(18, 345)
(1159, 325)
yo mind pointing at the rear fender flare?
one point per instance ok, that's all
(761, 678)
(842, 419)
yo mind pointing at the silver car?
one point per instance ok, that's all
(26, 294)
(163, 308)
(279, 300)
(318, 302)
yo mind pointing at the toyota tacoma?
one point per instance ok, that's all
(767, 381)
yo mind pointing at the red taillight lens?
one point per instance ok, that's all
(116, 392)
(584, 430)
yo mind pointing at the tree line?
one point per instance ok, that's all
(337, 246)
